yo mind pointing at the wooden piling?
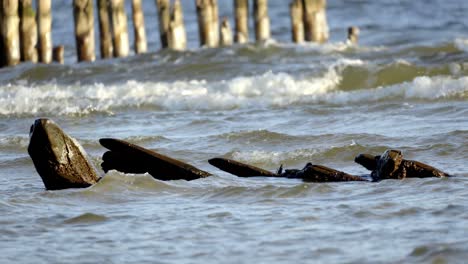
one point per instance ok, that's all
(241, 10)
(2, 46)
(262, 20)
(208, 34)
(353, 35)
(83, 14)
(28, 31)
(105, 30)
(164, 17)
(139, 27)
(44, 24)
(315, 20)
(58, 54)
(226, 33)
(119, 28)
(177, 36)
(215, 22)
(297, 21)
(10, 32)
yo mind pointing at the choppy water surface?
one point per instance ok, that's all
(405, 87)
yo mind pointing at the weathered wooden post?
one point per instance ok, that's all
(241, 10)
(83, 14)
(139, 27)
(226, 33)
(262, 21)
(2, 46)
(57, 53)
(297, 21)
(105, 31)
(119, 28)
(208, 34)
(353, 35)
(164, 17)
(10, 32)
(44, 25)
(215, 21)
(177, 36)
(28, 31)
(315, 20)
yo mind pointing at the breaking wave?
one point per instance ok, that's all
(266, 90)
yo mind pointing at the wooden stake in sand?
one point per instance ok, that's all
(83, 12)
(119, 28)
(28, 31)
(10, 32)
(262, 21)
(241, 10)
(315, 20)
(164, 17)
(58, 54)
(44, 24)
(297, 21)
(226, 33)
(139, 27)
(209, 35)
(105, 30)
(177, 36)
(353, 35)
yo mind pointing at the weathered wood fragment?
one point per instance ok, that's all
(164, 17)
(28, 31)
(262, 20)
(226, 33)
(241, 10)
(119, 28)
(140, 44)
(83, 14)
(58, 54)
(315, 20)
(105, 30)
(177, 36)
(297, 21)
(44, 24)
(9, 30)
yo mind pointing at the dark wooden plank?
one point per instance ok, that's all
(129, 158)
(240, 169)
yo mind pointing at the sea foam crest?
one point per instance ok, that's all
(267, 90)
(462, 44)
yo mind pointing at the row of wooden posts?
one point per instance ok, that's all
(26, 34)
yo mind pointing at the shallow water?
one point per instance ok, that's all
(404, 87)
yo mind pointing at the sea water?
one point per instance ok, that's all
(405, 86)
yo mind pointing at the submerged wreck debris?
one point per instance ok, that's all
(59, 159)
(310, 173)
(391, 165)
(62, 163)
(129, 158)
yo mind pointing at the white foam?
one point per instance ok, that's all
(273, 157)
(429, 88)
(266, 90)
(462, 44)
